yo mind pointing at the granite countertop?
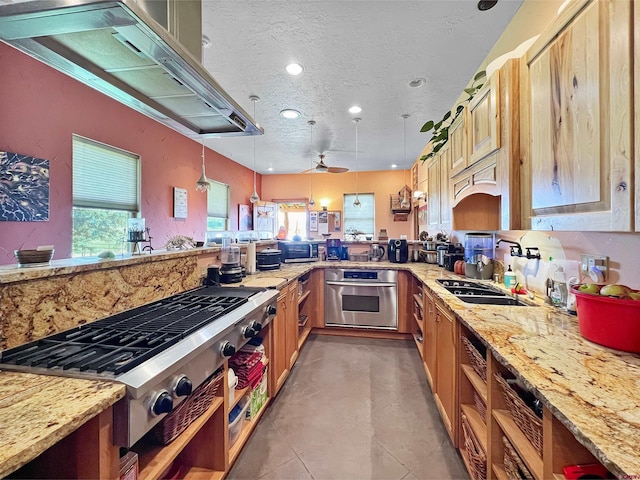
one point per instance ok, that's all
(37, 411)
(15, 273)
(594, 391)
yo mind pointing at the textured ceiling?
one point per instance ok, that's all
(354, 52)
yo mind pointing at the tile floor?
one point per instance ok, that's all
(352, 408)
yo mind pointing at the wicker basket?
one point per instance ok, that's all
(478, 363)
(27, 257)
(195, 405)
(513, 464)
(524, 417)
(480, 406)
(476, 456)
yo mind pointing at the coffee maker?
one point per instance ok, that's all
(398, 251)
(334, 249)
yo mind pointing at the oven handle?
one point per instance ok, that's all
(358, 284)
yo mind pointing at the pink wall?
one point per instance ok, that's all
(41, 108)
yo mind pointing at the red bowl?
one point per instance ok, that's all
(609, 321)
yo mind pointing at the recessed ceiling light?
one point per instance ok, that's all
(289, 113)
(417, 82)
(355, 109)
(294, 69)
(270, 169)
(393, 165)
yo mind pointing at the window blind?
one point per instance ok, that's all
(218, 200)
(105, 177)
(362, 218)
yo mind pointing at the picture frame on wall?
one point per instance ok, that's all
(179, 202)
(245, 220)
(313, 221)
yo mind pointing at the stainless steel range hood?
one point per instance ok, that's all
(118, 49)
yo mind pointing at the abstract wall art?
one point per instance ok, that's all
(24, 188)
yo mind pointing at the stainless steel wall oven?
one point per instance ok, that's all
(361, 298)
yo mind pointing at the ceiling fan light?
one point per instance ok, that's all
(322, 168)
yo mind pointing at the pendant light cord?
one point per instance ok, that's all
(405, 203)
(254, 196)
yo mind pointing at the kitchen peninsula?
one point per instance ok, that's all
(589, 392)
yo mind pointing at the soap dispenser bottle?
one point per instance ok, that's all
(509, 278)
(559, 292)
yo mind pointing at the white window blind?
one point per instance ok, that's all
(105, 177)
(362, 218)
(218, 200)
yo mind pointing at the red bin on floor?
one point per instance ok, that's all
(608, 321)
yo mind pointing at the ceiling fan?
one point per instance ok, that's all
(323, 167)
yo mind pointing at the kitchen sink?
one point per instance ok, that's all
(486, 300)
(479, 293)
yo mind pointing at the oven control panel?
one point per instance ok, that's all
(360, 275)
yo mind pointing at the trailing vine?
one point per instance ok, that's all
(440, 134)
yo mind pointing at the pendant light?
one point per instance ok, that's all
(405, 202)
(202, 185)
(312, 202)
(254, 196)
(356, 202)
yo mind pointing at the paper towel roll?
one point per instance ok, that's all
(251, 258)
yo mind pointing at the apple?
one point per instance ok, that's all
(590, 288)
(615, 290)
(635, 295)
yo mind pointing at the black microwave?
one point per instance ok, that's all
(293, 252)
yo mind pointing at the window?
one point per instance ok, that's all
(106, 193)
(293, 216)
(359, 219)
(218, 206)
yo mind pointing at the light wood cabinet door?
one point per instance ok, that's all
(579, 84)
(433, 194)
(291, 341)
(484, 120)
(446, 370)
(429, 336)
(279, 358)
(445, 188)
(459, 157)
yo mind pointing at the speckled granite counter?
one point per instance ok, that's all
(593, 390)
(37, 411)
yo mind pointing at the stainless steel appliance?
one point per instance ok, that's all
(376, 252)
(268, 259)
(295, 252)
(398, 251)
(231, 270)
(361, 298)
(117, 48)
(161, 351)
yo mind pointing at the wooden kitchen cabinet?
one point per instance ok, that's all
(417, 312)
(439, 201)
(484, 120)
(459, 158)
(291, 335)
(279, 359)
(446, 384)
(577, 127)
(306, 311)
(429, 334)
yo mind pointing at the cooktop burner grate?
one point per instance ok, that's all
(118, 343)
